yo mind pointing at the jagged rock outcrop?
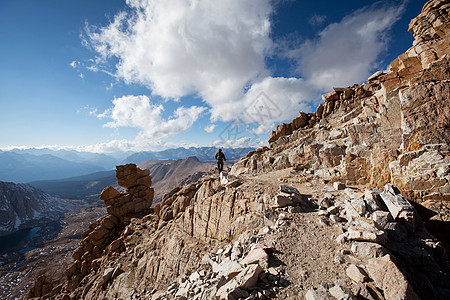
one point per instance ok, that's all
(23, 206)
(395, 128)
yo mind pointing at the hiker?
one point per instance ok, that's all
(220, 158)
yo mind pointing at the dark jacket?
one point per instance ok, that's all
(220, 156)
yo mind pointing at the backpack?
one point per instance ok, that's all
(220, 156)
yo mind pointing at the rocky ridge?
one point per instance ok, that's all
(251, 237)
(392, 129)
(254, 238)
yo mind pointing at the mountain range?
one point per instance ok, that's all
(22, 166)
(204, 154)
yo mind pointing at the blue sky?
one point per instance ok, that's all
(107, 75)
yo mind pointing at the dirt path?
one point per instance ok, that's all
(307, 253)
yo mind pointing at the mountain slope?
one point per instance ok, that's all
(23, 206)
(77, 187)
(170, 174)
(392, 129)
(98, 159)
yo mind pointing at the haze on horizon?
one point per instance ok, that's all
(105, 76)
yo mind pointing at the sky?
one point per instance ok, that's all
(138, 75)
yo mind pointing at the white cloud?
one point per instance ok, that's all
(74, 64)
(210, 128)
(217, 51)
(138, 112)
(92, 111)
(275, 100)
(345, 53)
(177, 48)
(135, 145)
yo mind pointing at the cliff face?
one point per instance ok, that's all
(204, 240)
(23, 206)
(393, 129)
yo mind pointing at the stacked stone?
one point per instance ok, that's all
(104, 236)
(139, 196)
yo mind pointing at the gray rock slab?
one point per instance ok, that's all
(399, 207)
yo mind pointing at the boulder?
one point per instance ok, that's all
(381, 218)
(399, 207)
(356, 274)
(281, 201)
(227, 268)
(373, 200)
(375, 76)
(246, 279)
(288, 189)
(339, 186)
(389, 279)
(331, 96)
(341, 293)
(254, 256)
(109, 193)
(364, 235)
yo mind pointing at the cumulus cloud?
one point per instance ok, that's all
(217, 51)
(210, 128)
(177, 48)
(275, 100)
(346, 52)
(138, 112)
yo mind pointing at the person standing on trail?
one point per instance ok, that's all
(220, 158)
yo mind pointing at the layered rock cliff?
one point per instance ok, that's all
(246, 236)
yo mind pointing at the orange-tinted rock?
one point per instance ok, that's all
(109, 193)
(331, 96)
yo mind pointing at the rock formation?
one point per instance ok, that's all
(104, 237)
(340, 225)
